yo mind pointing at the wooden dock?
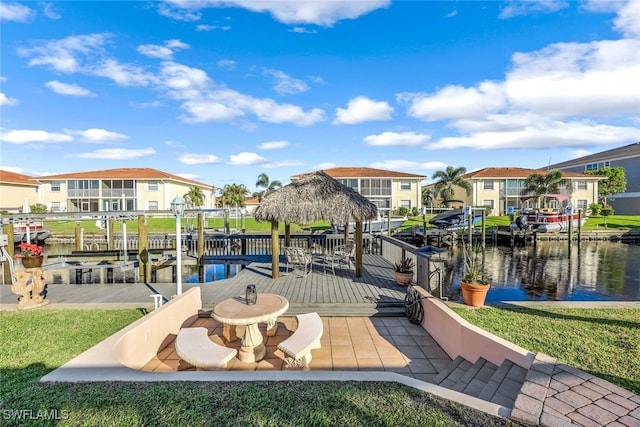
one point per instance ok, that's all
(342, 294)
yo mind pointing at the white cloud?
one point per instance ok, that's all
(273, 145)
(198, 159)
(227, 64)
(68, 89)
(362, 109)
(528, 7)
(97, 135)
(455, 102)
(323, 13)
(543, 134)
(116, 154)
(65, 55)
(285, 84)
(205, 27)
(26, 136)
(628, 20)
(123, 74)
(282, 164)
(162, 52)
(326, 165)
(576, 154)
(178, 13)
(15, 12)
(245, 159)
(6, 101)
(50, 12)
(410, 139)
(406, 165)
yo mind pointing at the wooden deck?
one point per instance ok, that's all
(342, 294)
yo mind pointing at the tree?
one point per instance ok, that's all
(194, 197)
(427, 196)
(234, 195)
(269, 186)
(449, 178)
(615, 183)
(537, 184)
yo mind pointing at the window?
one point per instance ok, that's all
(55, 206)
(488, 203)
(152, 206)
(488, 185)
(55, 185)
(581, 204)
(607, 163)
(581, 185)
(405, 185)
(591, 167)
(152, 186)
(405, 204)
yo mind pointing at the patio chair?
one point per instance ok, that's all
(341, 255)
(298, 259)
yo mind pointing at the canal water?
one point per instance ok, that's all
(593, 271)
(549, 271)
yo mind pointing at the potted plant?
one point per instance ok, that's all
(31, 255)
(404, 271)
(474, 287)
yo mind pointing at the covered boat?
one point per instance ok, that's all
(548, 220)
(33, 232)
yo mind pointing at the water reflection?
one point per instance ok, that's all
(596, 271)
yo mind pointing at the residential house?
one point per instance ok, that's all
(501, 187)
(628, 157)
(16, 190)
(124, 189)
(388, 190)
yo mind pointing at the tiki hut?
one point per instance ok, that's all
(315, 196)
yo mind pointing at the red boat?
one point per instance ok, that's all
(548, 220)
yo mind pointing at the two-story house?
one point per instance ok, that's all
(388, 190)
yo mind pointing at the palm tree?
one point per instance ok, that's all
(427, 196)
(269, 186)
(194, 197)
(449, 178)
(537, 185)
(234, 195)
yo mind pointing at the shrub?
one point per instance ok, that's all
(404, 211)
(595, 209)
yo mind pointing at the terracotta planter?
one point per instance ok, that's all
(32, 261)
(474, 294)
(403, 279)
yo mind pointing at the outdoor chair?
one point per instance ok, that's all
(298, 259)
(341, 255)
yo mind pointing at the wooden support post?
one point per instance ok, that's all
(275, 247)
(111, 244)
(78, 236)
(346, 232)
(200, 248)
(579, 226)
(143, 249)
(484, 229)
(358, 238)
(8, 230)
(287, 234)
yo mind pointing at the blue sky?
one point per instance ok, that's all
(220, 92)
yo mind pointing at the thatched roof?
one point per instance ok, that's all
(316, 196)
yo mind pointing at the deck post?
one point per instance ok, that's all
(275, 250)
(143, 245)
(11, 249)
(358, 236)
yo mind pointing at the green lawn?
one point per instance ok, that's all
(168, 225)
(603, 342)
(37, 341)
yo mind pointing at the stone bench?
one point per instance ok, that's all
(194, 347)
(304, 339)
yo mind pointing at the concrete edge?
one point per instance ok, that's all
(74, 374)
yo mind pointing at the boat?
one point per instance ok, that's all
(455, 219)
(379, 225)
(547, 220)
(33, 232)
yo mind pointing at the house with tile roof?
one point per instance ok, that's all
(123, 189)
(628, 157)
(501, 187)
(388, 190)
(15, 189)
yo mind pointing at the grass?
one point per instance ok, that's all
(603, 342)
(168, 225)
(36, 342)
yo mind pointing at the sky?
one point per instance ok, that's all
(222, 91)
